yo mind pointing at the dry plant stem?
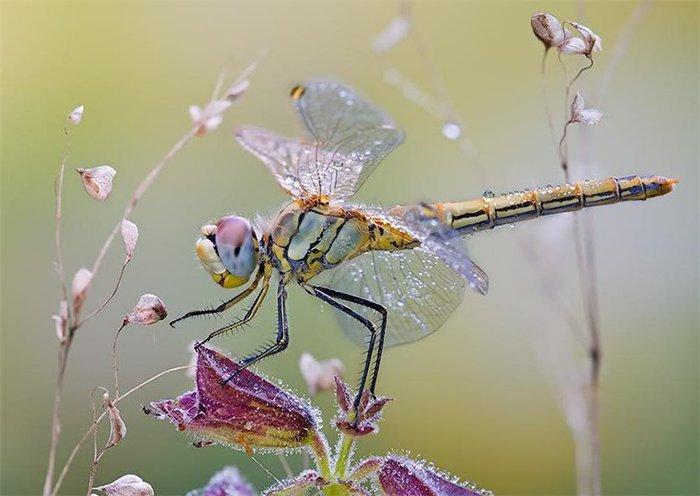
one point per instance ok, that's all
(74, 322)
(587, 444)
(545, 99)
(64, 347)
(621, 47)
(95, 455)
(109, 298)
(59, 216)
(93, 427)
(563, 152)
(141, 189)
(115, 366)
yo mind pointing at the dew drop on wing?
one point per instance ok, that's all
(488, 194)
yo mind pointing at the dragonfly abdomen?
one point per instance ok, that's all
(491, 211)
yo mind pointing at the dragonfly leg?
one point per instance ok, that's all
(331, 297)
(225, 305)
(257, 303)
(281, 340)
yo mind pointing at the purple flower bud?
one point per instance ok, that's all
(407, 477)
(226, 482)
(247, 412)
(368, 414)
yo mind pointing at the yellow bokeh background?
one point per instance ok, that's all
(476, 398)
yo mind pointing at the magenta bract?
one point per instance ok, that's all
(405, 477)
(247, 412)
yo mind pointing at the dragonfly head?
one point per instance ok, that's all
(228, 251)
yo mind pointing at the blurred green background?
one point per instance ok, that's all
(477, 398)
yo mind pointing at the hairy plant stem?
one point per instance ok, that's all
(344, 453)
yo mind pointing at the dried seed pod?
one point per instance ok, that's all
(98, 181)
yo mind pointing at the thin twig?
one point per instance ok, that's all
(59, 216)
(114, 359)
(141, 189)
(621, 47)
(109, 298)
(563, 152)
(96, 456)
(65, 345)
(545, 98)
(74, 321)
(92, 428)
(64, 349)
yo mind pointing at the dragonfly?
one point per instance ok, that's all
(395, 274)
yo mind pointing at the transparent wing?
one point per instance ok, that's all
(346, 139)
(422, 221)
(418, 290)
(419, 287)
(285, 158)
(342, 122)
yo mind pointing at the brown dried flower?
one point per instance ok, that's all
(98, 181)
(117, 430)
(127, 485)
(130, 235)
(149, 310)
(586, 45)
(79, 288)
(581, 114)
(549, 30)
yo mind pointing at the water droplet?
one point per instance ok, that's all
(451, 130)
(488, 194)
(248, 425)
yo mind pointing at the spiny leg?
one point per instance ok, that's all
(281, 340)
(331, 296)
(226, 304)
(257, 303)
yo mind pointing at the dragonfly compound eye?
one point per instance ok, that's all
(236, 248)
(228, 251)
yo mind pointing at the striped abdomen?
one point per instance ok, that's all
(491, 211)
